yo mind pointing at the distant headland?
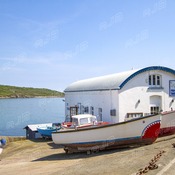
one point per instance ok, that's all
(27, 92)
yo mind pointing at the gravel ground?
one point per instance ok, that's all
(43, 157)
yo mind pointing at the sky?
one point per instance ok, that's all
(53, 43)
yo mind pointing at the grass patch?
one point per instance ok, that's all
(27, 92)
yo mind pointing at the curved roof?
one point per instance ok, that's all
(111, 82)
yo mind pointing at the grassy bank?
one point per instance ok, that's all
(27, 92)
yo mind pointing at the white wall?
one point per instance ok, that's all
(106, 100)
(125, 100)
(137, 89)
(167, 105)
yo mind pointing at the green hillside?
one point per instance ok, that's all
(25, 92)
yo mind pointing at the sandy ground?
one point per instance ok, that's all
(44, 157)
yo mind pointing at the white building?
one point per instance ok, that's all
(121, 96)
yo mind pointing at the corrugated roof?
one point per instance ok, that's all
(100, 83)
(111, 82)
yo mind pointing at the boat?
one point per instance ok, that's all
(139, 131)
(168, 123)
(46, 131)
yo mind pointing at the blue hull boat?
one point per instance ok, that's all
(47, 130)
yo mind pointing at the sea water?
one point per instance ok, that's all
(15, 114)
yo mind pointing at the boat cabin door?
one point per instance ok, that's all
(73, 111)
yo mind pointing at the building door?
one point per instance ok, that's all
(155, 104)
(73, 111)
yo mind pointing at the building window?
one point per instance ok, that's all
(82, 109)
(92, 110)
(155, 109)
(158, 80)
(86, 109)
(100, 113)
(150, 80)
(79, 108)
(155, 80)
(113, 112)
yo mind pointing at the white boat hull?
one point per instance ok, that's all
(167, 124)
(138, 131)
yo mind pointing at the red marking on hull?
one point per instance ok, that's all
(167, 131)
(152, 132)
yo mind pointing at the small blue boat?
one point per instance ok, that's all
(46, 131)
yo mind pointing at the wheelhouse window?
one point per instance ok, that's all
(155, 80)
(75, 121)
(83, 121)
